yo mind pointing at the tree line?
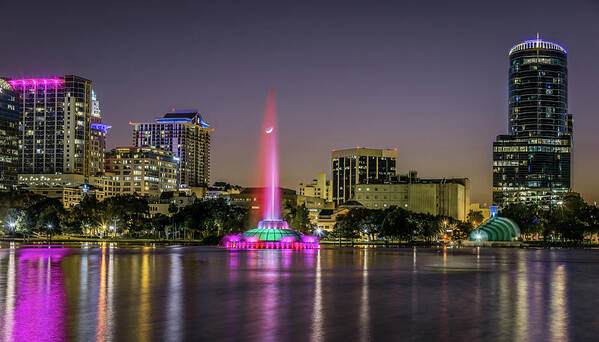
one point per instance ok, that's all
(25, 214)
(398, 224)
(571, 220)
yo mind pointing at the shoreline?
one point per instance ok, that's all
(324, 243)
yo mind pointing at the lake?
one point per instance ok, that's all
(205, 293)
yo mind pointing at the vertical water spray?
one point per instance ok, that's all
(272, 230)
(271, 196)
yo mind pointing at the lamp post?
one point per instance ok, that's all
(49, 232)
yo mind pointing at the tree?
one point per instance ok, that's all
(396, 224)
(346, 226)
(298, 219)
(528, 217)
(160, 222)
(431, 227)
(475, 217)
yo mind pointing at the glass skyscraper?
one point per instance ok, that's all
(532, 163)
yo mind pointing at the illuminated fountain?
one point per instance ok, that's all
(272, 231)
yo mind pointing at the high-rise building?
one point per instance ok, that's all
(532, 163)
(187, 136)
(9, 140)
(55, 124)
(97, 144)
(360, 166)
(146, 171)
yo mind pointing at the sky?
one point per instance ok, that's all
(426, 77)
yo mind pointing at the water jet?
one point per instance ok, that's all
(272, 231)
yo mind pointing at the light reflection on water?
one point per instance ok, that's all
(196, 293)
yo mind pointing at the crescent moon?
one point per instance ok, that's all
(268, 130)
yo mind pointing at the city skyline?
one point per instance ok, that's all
(344, 83)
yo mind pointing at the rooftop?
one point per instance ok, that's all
(537, 43)
(186, 116)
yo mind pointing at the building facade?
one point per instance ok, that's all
(9, 136)
(70, 188)
(319, 187)
(187, 136)
(360, 166)
(97, 145)
(55, 124)
(146, 171)
(532, 163)
(445, 197)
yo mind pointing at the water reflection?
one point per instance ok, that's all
(364, 301)
(9, 311)
(101, 327)
(317, 312)
(559, 304)
(144, 298)
(35, 306)
(268, 299)
(370, 294)
(174, 301)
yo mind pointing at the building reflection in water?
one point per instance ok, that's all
(317, 311)
(144, 298)
(83, 297)
(9, 309)
(35, 302)
(559, 303)
(101, 326)
(175, 299)
(364, 300)
(444, 305)
(522, 298)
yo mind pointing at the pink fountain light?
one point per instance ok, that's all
(272, 232)
(272, 194)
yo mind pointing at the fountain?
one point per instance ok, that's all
(272, 231)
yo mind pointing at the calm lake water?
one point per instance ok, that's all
(212, 294)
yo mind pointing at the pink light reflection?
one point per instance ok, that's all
(40, 307)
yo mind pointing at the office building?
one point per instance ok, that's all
(360, 166)
(9, 140)
(55, 124)
(444, 197)
(187, 136)
(532, 163)
(146, 171)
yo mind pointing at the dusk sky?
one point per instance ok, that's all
(427, 77)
